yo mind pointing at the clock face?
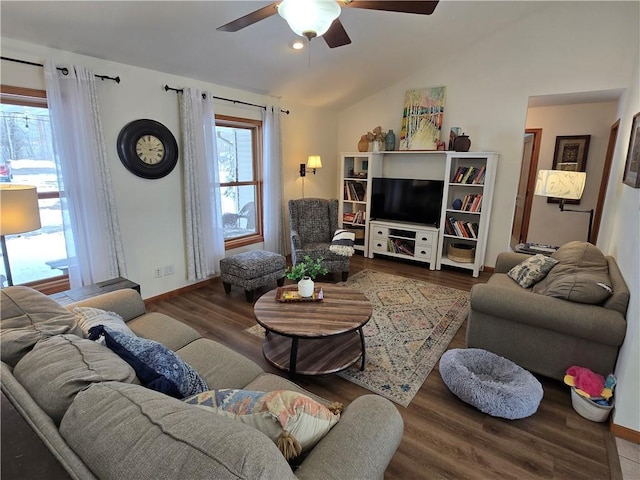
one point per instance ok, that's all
(150, 149)
(147, 148)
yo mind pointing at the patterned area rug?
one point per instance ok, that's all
(412, 325)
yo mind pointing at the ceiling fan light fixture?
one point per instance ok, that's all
(309, 18)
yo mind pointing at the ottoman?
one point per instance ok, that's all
(251, 270)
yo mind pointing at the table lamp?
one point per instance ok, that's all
(19, 213)
(564, 185)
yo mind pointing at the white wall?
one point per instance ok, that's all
(548, 224)
(151, 211)
(559, 49)
(619, 237)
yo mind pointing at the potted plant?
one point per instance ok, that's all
(305, 273)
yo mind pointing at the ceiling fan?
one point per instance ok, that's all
(315, 18)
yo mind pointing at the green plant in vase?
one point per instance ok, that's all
(304, 273)
(307, 268)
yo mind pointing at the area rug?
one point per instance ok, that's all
(412, 324)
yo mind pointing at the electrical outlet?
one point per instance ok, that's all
(157, 272)
(169, 270)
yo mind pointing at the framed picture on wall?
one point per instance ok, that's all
(570, 155)
(631, 175)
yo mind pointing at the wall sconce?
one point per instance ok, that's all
(314, 162)
(303, 170)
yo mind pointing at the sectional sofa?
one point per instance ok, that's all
(110, 427)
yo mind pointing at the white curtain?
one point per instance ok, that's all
(90, 219)
(273, 208)
(203, 213)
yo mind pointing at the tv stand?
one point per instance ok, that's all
(404, 240)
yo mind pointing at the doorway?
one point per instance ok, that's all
(526, 185)
(591, 113)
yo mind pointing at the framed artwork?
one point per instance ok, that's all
(422, 118)
(631, 175)
(570, 155)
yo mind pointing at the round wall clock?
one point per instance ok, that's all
(147, 148)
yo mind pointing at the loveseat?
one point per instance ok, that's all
(573, 316)
(114, 428)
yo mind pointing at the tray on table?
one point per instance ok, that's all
(290, 294)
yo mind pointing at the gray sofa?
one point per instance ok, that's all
(546, 334)
(116, 429)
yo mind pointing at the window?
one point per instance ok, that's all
(239, 143)
(26, 158)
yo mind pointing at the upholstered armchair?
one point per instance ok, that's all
(313, 221)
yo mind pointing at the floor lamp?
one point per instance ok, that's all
(564, 185)
(19, 213)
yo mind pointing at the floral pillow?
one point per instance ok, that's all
(532, 270)
(294, 421)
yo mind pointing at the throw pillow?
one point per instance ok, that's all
(90, 317)
(532, 270)
(28, 316)
(157, 367)
(295, 422)
(582, 275)
(59, 367)
(590, 288)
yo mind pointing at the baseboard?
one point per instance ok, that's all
(624, 433)
(179, 291)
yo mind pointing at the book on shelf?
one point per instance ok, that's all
(354, 191)
(403, 247)
(479, 177)
(460, 228)
(348, 217)
(471, 202)
(468, 175)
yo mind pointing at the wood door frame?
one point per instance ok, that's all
(531, 180)
(604, 182)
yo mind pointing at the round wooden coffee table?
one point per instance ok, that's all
(314, 338)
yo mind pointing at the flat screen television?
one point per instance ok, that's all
(407, 200)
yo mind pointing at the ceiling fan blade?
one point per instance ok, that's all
(336, 36)
(250, 18)
(418, 7)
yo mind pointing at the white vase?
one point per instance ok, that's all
(376, 146)
(305, 287)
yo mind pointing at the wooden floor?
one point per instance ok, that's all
(444, 437)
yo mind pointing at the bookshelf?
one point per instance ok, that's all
(356, 172)
(466, 208)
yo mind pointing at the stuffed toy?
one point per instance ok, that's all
(589, 384)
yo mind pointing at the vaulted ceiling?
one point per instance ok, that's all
(181, 38)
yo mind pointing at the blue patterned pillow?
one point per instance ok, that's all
(157, 367)
(532, 270)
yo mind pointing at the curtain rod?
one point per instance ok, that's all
(180, 90)
(64, 70)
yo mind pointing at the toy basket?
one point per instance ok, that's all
(461, 253)
(589, 409)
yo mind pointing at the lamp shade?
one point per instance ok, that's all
(19, 210)
(560, 184)
(309, 18)
(314, 161)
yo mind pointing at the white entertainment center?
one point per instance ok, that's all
(464, 218)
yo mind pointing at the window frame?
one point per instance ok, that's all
(31, 97)
(255, 126)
